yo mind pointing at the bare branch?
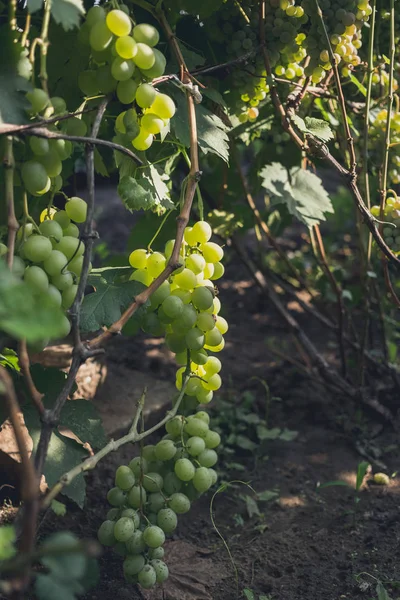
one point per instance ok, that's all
(12, 223)
(26, 371)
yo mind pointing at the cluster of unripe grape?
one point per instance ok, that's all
(124, 59)
(376, 138)
(185, 308)
(153, 489)
(391, 214)
(49, 257)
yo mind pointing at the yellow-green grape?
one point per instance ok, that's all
(138, 259)
(144, 57)
(163, 106)
(122, 69)
(158, 68)
(141, 275)
(156, 264)
(126, 47)
(118, 23)
(146, 34)
(126, 92)
(145, 95)
(143, 141)
(152, 123)
(100, 36)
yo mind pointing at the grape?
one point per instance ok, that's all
(219, 270)
(148, 452)
(152, 482)
(75, 126)
(201, 232)
(54, 294)
(147, 34)
(147, 577)
(172, 483)
(214, 476)
(116, 497)
(136, 544)
(39, 145)
(76, 265)
(199, 357)
(62, 219)
(76, 209)
(52, 163)
(175, 426)
(133, 564)
(172, 306)
(124, 478)
(203, 416)
(105, 534)
(138, 465)
(186, 320)
(202, 479)
(51, 229)
(196, 427)
(186, 279)
(122, 69)
(207, 458)
(212, 252)
(137, 496)
(143, 141)
(141, 275)
(212, 439)
(126, 47)
(71, 247)
(212, 383)
(163, 106)
(144, 57)
(167, 520)
(179, 503)
(118, 23)
(204, 396)
(155, 264)
(202, 298)
(123, 529)
(159, 295)
(184, 469)
(195, 445)
(100, 36)
(105, 80)
(145, 95)
(38, 99)
(194, 339)
(126, 91)
(24, 232)
(205, 322)
(36, 278)
(213, 337)
(158, 69)
(161, 570)
(87, 82)
(34, 177)
(152, 123)
(165, 450)
(153, 536)
(37, 248)
(55, 263)
(156, 501)
(196, 263)
(113, 514)
(63, 281)
(18, 266)
(222, 325)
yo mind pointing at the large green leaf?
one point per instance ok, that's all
(301, 191)
(65, 12)
(7, 542)
(147, 191)
(13, 103)
(111, 297)
(24, 314)
(81, 417)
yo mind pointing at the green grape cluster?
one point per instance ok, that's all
(49, 257)
(391, 214)
(153, 490)
(124, 60)
(376, 138)
(185, 308)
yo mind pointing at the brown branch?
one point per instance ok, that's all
(12, 223)
(29, 480)
(183, 218)
(26, 371)
(8, 128)
(55, 135)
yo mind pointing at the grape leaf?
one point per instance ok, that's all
(82, 418)
(192, 60)
(23, 314)
(110, 298)
(317, 127)
(13, 102)
(301, 191)
(67, 13)
(34, 5)
(147, 191)
(7, 542)
(58, 508)
(381, 591)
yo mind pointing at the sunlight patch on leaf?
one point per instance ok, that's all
(317, 127)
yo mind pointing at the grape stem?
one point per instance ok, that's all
(6, 128)
(12, 223)
(132, 436)
(29, 482)
(191, 184)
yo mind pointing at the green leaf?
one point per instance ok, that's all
(251, 507)
(244, 442)
(337, 482)
(317, 127)
(24, 314)
(287, 435)
(263, 433)
(9, 358)
(13, 103)
(34, 5)
(248, 594)
(361, 472)
(110, 298)
(224, 223)
(67, 565)
(58, 508)
(267, 495)
(82, 418)
(7, 542)
(361, 88)
(48, 588)
(63, 455)
(146, 191)
(67, 13)
(302, 193)
(192, 60)
(381, 591)
(99, 165)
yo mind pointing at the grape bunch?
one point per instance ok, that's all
(153, 490)
(124, 59)
(185, 308)
(391, 231)
(376, 139)
(49, 257)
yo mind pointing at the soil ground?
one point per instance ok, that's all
(306, 544)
